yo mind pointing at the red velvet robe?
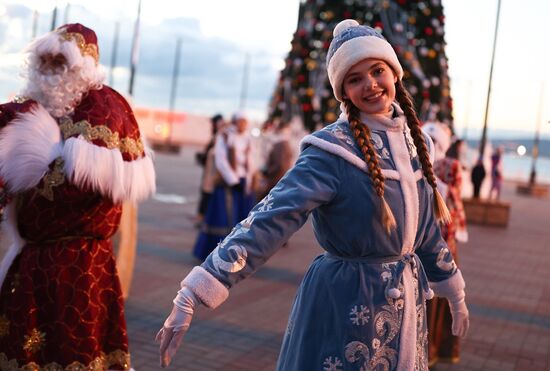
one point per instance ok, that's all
(61, 302)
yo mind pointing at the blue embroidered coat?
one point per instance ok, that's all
(348, 314)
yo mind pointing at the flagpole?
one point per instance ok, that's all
(54, 17)
(244, 86)
(66, 16)
(34, 23)
(478, 170)
(114, 53)
(173, 90)
(484, 132)
(535, 153)
(135, 52)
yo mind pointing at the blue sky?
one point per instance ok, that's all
(217, 34)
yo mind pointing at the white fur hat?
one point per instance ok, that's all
(351, 44)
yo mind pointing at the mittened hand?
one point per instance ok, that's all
(460, 315)
(171, 334)
(176, 325)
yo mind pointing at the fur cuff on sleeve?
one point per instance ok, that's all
(450, 287)
(27, 147)
(207, 287)
(105, 171)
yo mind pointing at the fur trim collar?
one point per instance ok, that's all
(397, 122)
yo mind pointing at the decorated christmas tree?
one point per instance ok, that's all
(414, 28)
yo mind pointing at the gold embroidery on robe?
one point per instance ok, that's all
(86, 49)
(35, 341)
(101, 363)
(53, 178)
(102, 132)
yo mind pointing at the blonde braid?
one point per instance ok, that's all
(361, 133)
(404, 99)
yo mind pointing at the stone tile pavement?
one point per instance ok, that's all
(507, 273)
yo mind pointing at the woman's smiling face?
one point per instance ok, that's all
(370, 85)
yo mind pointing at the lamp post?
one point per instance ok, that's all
(114, 54)
(478, 171)
(54, 17)
(135, 52)
(535, 153)
(173, 91)
(244, 85)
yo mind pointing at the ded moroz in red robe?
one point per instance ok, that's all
(60, 301)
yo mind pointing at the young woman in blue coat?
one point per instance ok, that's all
(368, 183)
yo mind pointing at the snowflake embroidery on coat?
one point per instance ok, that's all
(378, 143)
(233, 258)
(359, 315)
(339, 133)
(330, 365)
(266, 204)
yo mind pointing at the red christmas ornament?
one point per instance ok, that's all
(428, 31)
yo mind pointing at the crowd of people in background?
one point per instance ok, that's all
(236, 175)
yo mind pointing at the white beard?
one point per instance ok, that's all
(59, 93)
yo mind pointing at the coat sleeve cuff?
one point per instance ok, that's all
(208, 289)
(450, 287)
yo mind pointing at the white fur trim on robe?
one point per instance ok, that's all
(208, 289)
(28, 145)
(106, 172)
(338, 150)
(408, 335)
(9, 231)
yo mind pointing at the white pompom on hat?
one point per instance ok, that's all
(351, 44)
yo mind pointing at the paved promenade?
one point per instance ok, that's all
(507, 273)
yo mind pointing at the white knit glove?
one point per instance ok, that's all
(176, 325)
(460, 315)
